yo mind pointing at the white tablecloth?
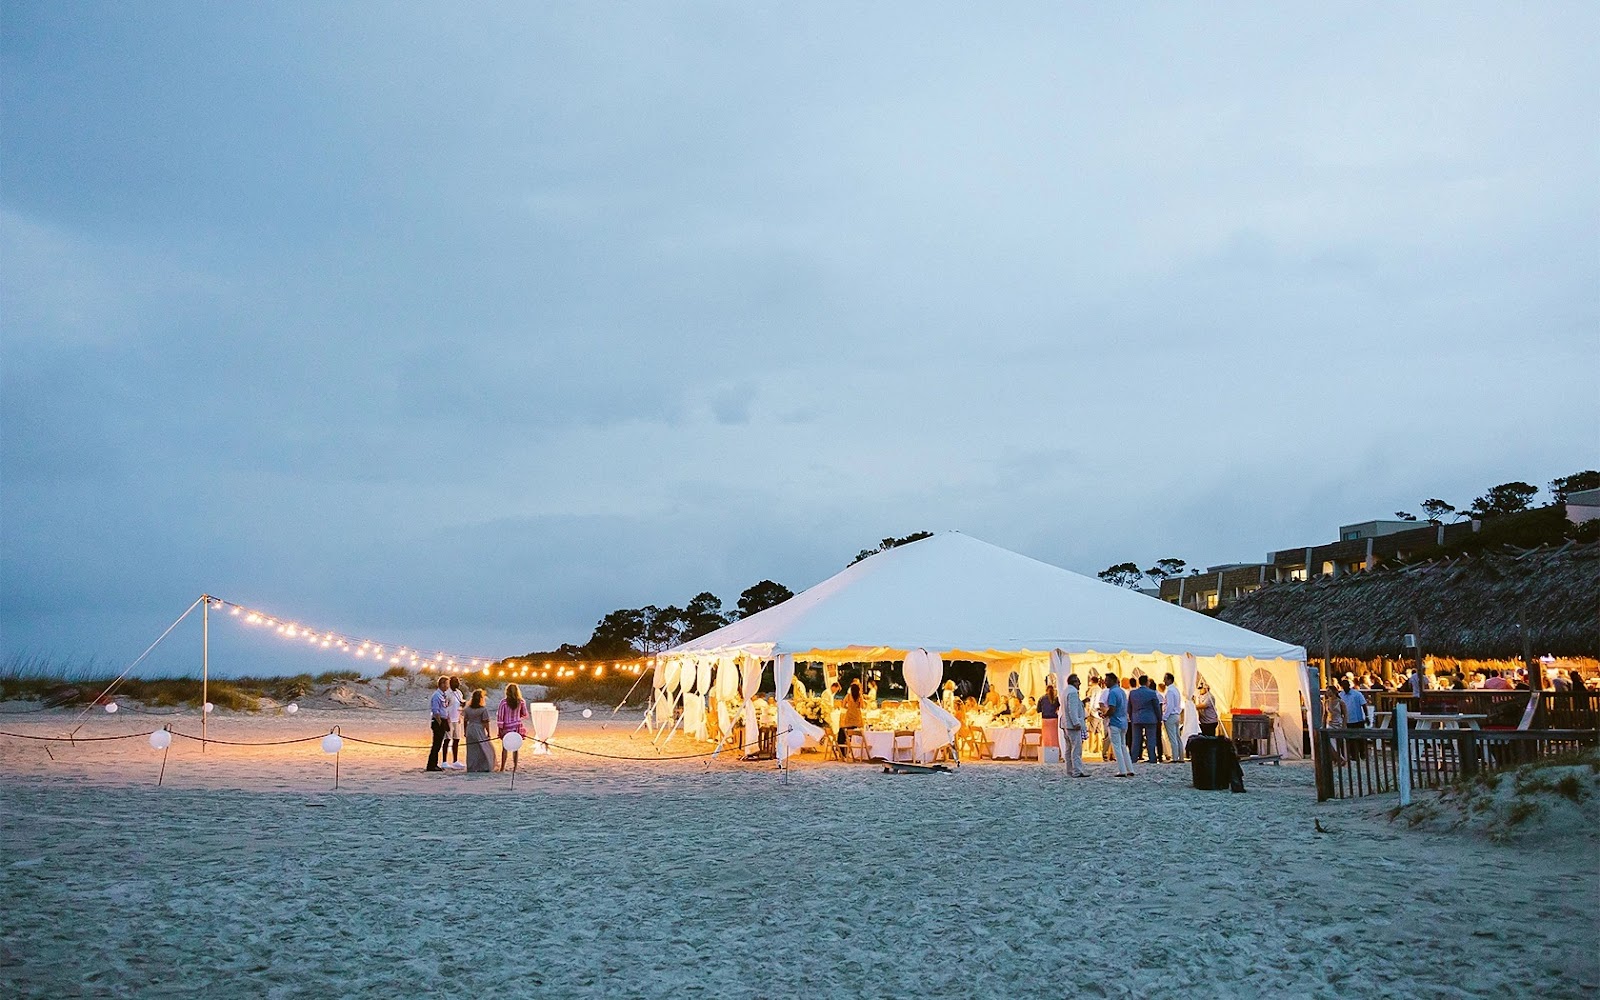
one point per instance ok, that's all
(1007, 741)
(880, 743)
(544, 717)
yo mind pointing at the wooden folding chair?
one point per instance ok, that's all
(855, 746)
(904, 739)
(1031, 741)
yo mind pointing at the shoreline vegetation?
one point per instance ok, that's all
(37, 680)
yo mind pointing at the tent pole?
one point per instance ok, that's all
(205, 665)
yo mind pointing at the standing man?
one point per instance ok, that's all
(1115, 712)
(1094, 719)
(1072, 719)
(1355, 712)
(439, 719)
(1144, 707)
(1172, 718)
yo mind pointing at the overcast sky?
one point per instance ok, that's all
(461, 325)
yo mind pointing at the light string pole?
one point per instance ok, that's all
(205, 667)
(625, 698)
(137, 660)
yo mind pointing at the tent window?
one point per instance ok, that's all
(1263, 690)
(1014, 683)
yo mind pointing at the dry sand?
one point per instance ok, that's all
(247, 874)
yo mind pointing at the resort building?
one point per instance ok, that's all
(1583, 506)
(1364, 547)
(1216, 586)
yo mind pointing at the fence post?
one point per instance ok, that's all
(1402, 746)
(1467, 748)
(1321, 763)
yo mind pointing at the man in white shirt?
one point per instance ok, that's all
(1095, 723)
(1072, 719)
(1172, 718)
(438, 721)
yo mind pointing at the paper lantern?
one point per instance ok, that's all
(291, 708)
(160, 739)
(111, 707)
(209, 707)
(332, 743)
(588, 712)
(512, 741)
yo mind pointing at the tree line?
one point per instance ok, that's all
(1496, 501)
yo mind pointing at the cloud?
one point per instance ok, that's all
(485, 327)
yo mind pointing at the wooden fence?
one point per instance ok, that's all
(1351, 763)
(1557, 709)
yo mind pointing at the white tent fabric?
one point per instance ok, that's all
(750, 671)
(966, 599)
(923, 672)
(1188, 672)
(793, 730)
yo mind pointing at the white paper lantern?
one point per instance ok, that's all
(111, 707)
(332, 743)
(161, 739)
(588, 712)
(291, 708)
(209, 707)
(512, 741)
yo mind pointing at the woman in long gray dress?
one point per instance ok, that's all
(479, 756)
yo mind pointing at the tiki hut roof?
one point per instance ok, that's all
(1466, 607)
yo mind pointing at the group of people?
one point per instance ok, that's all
(1126, 725)
(455, 717)
(1485, 679)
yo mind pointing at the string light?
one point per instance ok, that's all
(425, 661)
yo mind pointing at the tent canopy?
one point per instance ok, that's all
(969, 600)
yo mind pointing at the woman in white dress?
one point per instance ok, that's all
(453, 739)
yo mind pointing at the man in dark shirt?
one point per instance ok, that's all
(1144, 711)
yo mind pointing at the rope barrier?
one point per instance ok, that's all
(376, 743)
(75, 739)
(239, 743)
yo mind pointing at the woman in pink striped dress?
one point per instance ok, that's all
(513, 717)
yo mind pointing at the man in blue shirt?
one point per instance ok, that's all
(1115, 711)
(1144, 708)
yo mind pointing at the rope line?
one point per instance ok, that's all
(75, 739)
(239, 743)
(374, 743)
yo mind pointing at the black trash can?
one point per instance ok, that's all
(1214, 762)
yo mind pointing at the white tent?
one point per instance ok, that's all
(960, 598)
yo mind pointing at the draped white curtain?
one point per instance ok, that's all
(1060, 668)
(669, 691)
(1188, 672)
(792, 729)
(750, 667)
(658, 689)
(923, 672)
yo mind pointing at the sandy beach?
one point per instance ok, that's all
(246, 874)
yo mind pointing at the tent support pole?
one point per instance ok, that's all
(205, 666)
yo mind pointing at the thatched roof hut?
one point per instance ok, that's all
(1466, 607)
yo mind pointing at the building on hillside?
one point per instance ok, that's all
(1583, 506)
(1364, 547)
(1373, 529)
(1216, 586)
